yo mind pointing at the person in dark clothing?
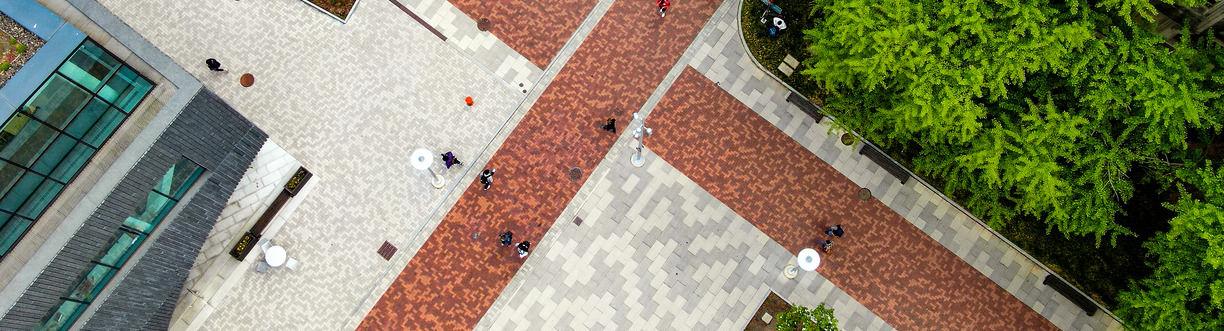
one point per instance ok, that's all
(506, 238)
(610, 126)
(524, 248)
(663, 6)
(825, 244)
(213, 65)
(450, 160)
(835, 230)
(486, 178)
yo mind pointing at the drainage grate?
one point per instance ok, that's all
(864, 194)
(484, 24)
(387, 251)
(575, 174)
(578, 221)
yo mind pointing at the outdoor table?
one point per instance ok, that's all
(275, 256)
(809, 259)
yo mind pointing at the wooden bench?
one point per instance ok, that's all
(806, 105)
(893, 168)
(1070, 293)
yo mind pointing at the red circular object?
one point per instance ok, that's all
(247, 80)
(469, 101)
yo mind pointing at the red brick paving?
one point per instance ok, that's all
(453, 279)
(884, 262)
(537, 29)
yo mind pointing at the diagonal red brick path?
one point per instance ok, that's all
(884, 262)
(453, 279)
(536, 29)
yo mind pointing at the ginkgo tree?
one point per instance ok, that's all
(1186, 291)
(1019, 108)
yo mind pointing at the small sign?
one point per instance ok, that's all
(298, 180)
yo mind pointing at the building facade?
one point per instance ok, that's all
(115, 163)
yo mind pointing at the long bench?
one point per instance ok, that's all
(1070, 293)
(885, 162)
(807, 106)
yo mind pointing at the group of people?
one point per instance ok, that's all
(833, 231)
(523, 247)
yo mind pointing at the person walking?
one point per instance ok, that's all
(610, 126)
(506, 238)
(836, 230)
(663, 5)
(449, 160)
(486, 178)
(524, 249)
(213, 64)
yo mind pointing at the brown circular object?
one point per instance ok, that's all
(575, 173)
(864, 194)
(484, 24)
(247, 80)
(847, 139)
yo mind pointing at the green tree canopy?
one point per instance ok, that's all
(1020, 108)
(800, 318)
(1186, 291)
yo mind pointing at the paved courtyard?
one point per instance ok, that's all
(695, 239)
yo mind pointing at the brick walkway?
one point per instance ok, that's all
(536, 29)
(887, 264)
(453, 279)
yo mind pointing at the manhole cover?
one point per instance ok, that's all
(246, 80)
(864, 194)
(577, 220)
(575, 174)
(484, 24)
(387, 250)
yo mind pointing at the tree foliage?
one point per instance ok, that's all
(1021, 109)
(1186, 291)
(800, 318)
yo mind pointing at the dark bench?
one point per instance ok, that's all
(807, 106)
(1070, 293)
(893, 168)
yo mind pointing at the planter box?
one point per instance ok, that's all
(343, 18)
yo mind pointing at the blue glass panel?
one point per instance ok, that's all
(20, 191)
(93, 283)
(122, 247)
(86, 118)
(149, 213)
(176, 180)
(12, 230)
(89, 66)
(105, 126)
(38, 201)
(57, 101)
(63, 316)
(54, 154)
(72, 162)
(26, 138)
(125, 89)
(9, 174)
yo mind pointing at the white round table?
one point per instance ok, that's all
(809, 259)
(275, 256)
(422, 159)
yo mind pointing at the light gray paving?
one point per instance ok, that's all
(460, 30)
(349, 101)
(656, 252)
(722, 58)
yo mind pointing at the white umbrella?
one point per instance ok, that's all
(809, 259)
(422, 159)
